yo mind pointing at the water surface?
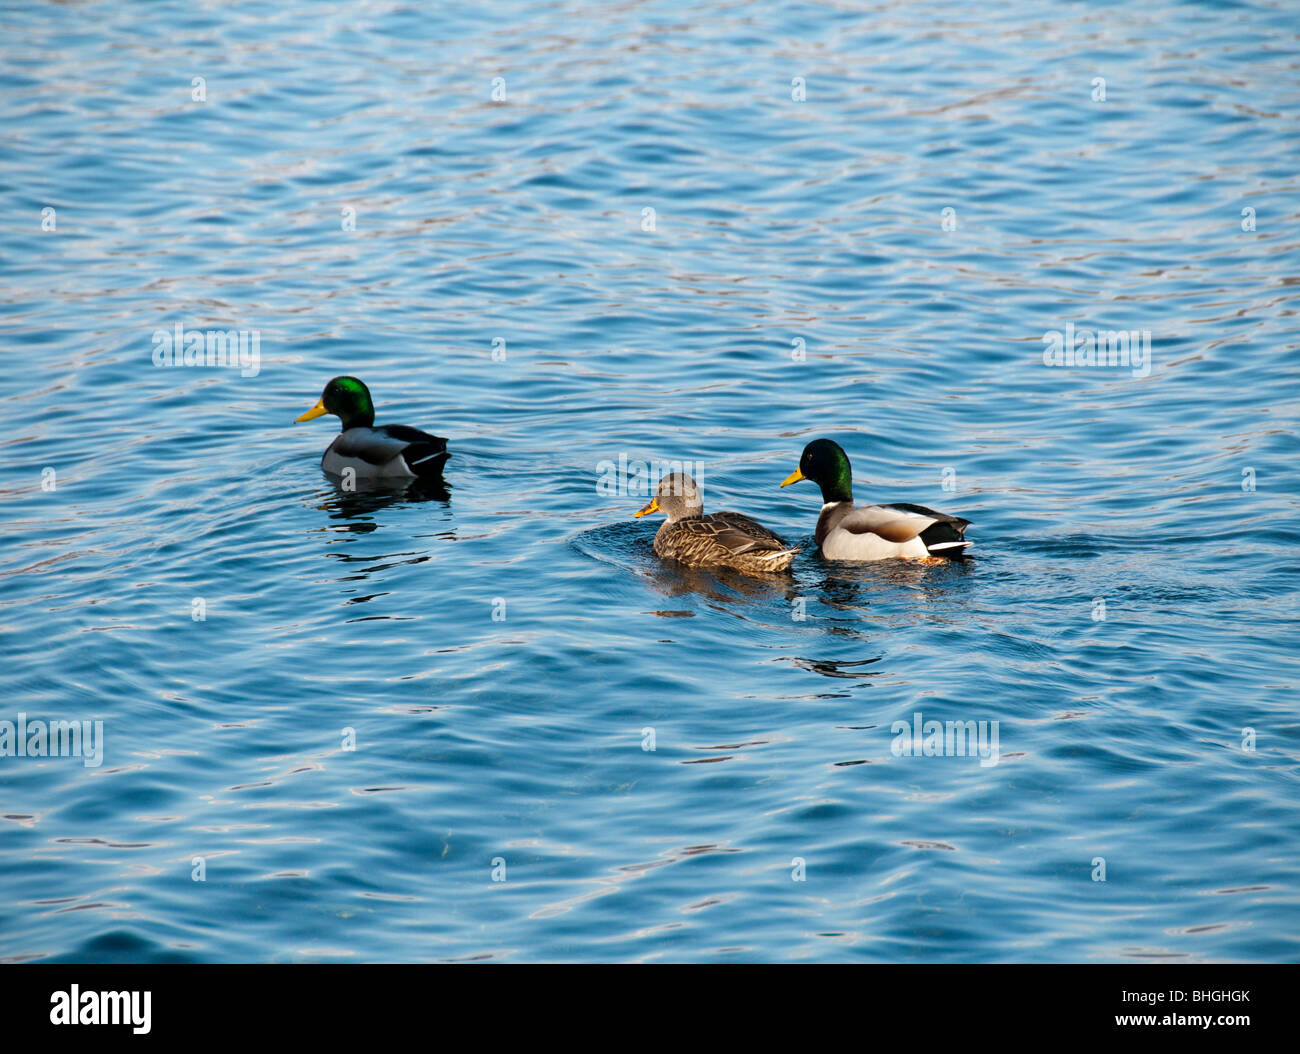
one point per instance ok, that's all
(499, 652)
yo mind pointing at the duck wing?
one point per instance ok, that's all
(901, 522)
(956, 522)
(424, 454)
(719, 535)
(748, 527)
(388, 446)
(890, 522)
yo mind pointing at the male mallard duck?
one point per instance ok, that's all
(392, 451)
(720, 539)
(873, 532)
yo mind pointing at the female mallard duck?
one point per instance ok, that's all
(873, 532)
(720, 539)
(391, 451)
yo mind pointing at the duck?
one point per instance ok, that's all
(373, 451)
(720, 539)
(846, 532)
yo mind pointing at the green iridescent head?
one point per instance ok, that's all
(825, 463)
(347, 399)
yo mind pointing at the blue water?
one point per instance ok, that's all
(504, 650)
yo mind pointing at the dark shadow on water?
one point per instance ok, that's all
(839, 597)
(352, 514)
(850, 587)
(848, 592)
(842, 586)
(631, 545)
(848, 669)
(673, 580)
(359, 507)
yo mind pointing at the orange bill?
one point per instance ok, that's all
(315, 411)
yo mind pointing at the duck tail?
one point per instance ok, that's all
(946, 536)
(780, 559)
(426, 460)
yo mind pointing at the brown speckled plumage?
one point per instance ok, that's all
(719, 539)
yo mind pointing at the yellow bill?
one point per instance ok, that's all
(652, 507)
(794, 477)
(315, 411)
